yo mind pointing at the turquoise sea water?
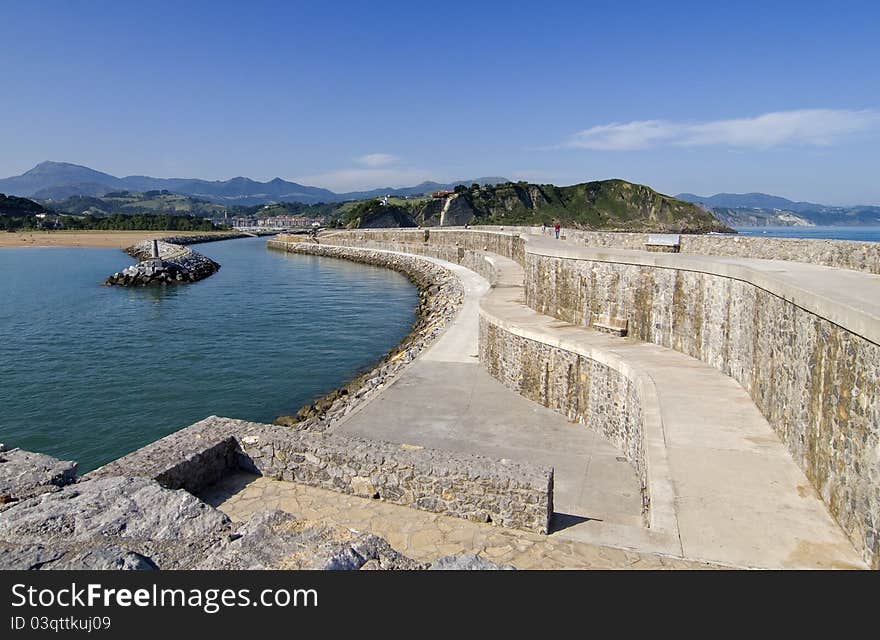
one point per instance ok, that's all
(89, 373)
(870, 234)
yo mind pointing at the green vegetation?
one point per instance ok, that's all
(23, 214)
(355, 213)
(605, 204)
(286, 209)
(140, 222)
(134, 202)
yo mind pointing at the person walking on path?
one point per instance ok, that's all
(543, 228)
(556, 228)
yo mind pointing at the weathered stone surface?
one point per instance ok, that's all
(169, 527)
(72, 556)
(467, 562)
(275, 539)
(24, 474)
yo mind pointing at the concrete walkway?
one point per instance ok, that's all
(446, 400)
(739, 498)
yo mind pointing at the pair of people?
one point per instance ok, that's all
(556, 228)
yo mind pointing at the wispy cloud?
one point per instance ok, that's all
(814, 127)
(377, 160)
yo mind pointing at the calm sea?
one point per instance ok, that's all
(89, 373)
(871, 234)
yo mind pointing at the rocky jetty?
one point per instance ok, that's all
(121, 522)
(163, 263)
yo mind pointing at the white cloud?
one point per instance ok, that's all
(377, 159)
(815, 127)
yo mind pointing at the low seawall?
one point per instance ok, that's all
(473, 487)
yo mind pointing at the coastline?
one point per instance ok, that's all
(440, 297)
(97, 239)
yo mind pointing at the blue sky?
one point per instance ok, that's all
(695, 97)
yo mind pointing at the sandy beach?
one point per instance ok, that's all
(120, 239)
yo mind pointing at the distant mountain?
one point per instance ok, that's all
(61, 180)
(760, 209)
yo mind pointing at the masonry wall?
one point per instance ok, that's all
(571, 384)
(844, 254)
(504, 244)
(478, 488)
(815, 382)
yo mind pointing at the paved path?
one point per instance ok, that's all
(427, 536)
(446, 400)
(739, 498)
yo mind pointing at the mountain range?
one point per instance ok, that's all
(61, 180)
(761, 209)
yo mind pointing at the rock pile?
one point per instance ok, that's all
(174, 264)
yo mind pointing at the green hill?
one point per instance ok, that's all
(15, 206)
(138, 202)
(606, 204)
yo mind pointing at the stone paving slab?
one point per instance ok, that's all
(425, 536)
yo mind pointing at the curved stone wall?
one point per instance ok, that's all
(814, 381)
(843, 254)
(810, 365)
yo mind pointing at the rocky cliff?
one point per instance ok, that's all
(606, 204)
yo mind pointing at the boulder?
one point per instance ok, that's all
(24, 474)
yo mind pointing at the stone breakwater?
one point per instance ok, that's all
(440, 296)
(175, 264)
(810, 373)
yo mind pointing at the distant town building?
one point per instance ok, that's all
(445, 193)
